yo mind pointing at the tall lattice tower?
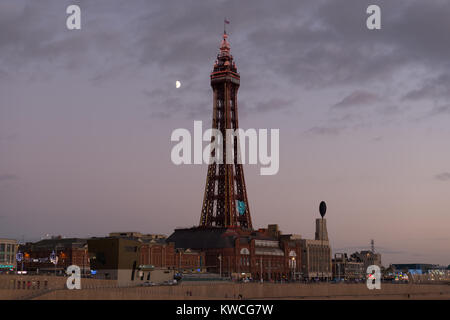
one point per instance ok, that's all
(225, 201)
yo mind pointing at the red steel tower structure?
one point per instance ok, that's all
(225, 203)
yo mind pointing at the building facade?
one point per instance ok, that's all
(115, 258)
(55, 255)
(367, 257)
(132, 258)
(234, 253)
(161, 254)
(132, 261)
(347, 268)
(316, 254)
(416, 268)
(8, 251)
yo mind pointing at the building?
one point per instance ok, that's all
(128, 234)
(138, 235)
(234, 252)
(132, 258)
(188, 260)
(161, 254)
(8, 251)
(121, 259)
(416, 268)
(347, 268)
(40, 256)
(316, 254)
(115, 258)
(368, 258)
(157, 252)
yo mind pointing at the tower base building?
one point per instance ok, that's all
(235, 253)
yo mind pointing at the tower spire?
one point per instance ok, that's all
(225, 46)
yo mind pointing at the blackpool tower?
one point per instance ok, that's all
(225, 203)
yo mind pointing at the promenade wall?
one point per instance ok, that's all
(93, 289)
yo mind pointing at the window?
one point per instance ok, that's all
(245, 251)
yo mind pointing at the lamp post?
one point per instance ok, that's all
(19, 258)
(261, 276)
(84, 259)
(293, 268)
(53, 259)
(339, 271)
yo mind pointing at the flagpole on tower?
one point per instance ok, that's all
(225, 22)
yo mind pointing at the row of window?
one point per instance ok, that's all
(266, 243)
(6, 247)
(245, 261)
(7, 258)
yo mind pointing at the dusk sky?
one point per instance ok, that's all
(86, 117)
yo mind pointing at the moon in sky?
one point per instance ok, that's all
(177, 84)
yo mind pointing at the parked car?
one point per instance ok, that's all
(170, 282)
(148, 284)
(337, 280)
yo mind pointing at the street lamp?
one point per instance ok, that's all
(83, 273)
(19, 258)
(261, 276)
(220, 265)
(54, 259)
(293, 268)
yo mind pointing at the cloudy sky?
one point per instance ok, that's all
(86, 117)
